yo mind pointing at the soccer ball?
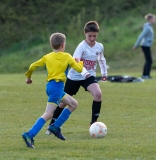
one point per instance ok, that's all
(98, 130)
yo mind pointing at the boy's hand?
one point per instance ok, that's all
(104, 78)
(77, 60)
(28, 80)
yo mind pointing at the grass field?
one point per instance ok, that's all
(128, 110)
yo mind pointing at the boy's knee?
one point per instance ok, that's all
(98, 95)
(75, 104)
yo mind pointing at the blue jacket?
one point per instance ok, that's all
(146, 37)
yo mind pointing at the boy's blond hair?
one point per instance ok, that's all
(149, 16)
(56, 40)
(91, 26)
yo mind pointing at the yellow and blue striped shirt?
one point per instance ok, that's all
(57, 64)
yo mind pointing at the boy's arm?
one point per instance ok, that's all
(33, 66)
(75, 64)
(103, 66)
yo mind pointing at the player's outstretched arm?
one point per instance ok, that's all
(75, 63)
(32, 67)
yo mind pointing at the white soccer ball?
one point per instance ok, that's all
(98, 130)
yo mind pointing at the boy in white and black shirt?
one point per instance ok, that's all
(89, 55)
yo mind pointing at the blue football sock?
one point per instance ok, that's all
(62, 118)
(36, 127)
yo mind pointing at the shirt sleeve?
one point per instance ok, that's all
(78, 51)
(33, 66)
(102, 63)
(141, 36)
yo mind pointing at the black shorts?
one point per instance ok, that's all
(72, 86)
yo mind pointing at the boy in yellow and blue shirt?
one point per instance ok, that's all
(57, 64)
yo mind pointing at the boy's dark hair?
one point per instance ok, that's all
(56, 40)
(91, 26)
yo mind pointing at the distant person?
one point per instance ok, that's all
(57, 63)
(145, 39)
(89, 51)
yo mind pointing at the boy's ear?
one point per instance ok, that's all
(63, 44)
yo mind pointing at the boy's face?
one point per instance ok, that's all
(91, 37)
(152, 20)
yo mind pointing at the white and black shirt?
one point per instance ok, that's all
(89, 56)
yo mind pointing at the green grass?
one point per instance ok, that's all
(128, 110)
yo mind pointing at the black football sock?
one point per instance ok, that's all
(96, 107)
(56, 114)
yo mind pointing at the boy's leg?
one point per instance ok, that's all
(148, 61)
(96, 107)
(95, 90)
(57, 112)
(91, 85)
(71, 88)
(72, 105)
(28, 136)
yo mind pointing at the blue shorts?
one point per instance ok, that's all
(55, 92)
